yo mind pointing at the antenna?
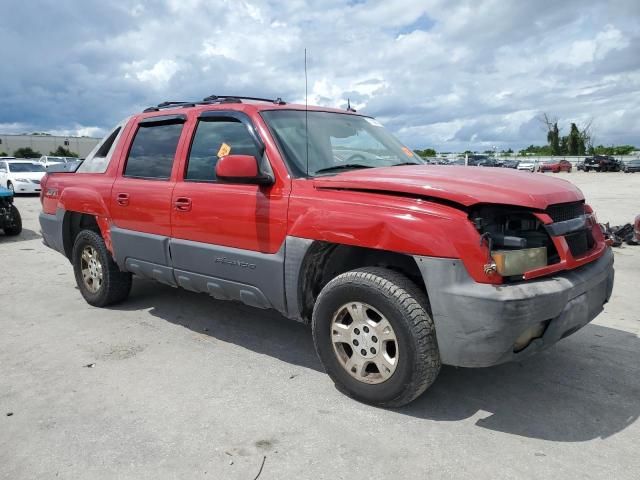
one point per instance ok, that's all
(306, 109)
(349, 107)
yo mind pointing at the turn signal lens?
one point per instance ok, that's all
(517, 262)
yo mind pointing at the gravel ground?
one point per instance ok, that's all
(184, 387)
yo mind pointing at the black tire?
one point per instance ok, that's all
(405, 307)
(116, 284)
(16, 223)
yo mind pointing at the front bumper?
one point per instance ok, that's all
(22, 187)
(477, 324)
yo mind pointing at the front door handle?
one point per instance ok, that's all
(123, 199)
(183, 204)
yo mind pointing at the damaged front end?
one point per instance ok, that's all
(523, 244)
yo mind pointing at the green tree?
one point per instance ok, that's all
(536, 150)
(564, 146)
(553, 138)
(575, 142)
(63, 152)
(427, 152)
(612, 150)
(26, 152)
(3, 154)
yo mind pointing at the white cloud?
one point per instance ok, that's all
(158, 75)
(452, 74)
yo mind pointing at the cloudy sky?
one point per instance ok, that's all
(446, 74)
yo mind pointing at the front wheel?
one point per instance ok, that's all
(98, 277)
(375, 338)
(14, 226)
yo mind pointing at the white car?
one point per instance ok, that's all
(21, 176)
(47, 160)
(527, 165)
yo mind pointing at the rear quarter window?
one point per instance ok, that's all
(98, 160)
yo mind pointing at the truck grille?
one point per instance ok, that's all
(565, 211)
(580, 242)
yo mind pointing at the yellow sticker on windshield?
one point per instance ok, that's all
(407, 152)
(224, 150)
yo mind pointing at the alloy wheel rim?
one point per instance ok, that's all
(91, 269)
(364, 343)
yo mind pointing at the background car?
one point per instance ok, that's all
(457, 161)
(602, 163)
(489, 162)
(632, 166)
(528, 165)
(555, 166)
(48, 160)
(21, 176)
(510, 163)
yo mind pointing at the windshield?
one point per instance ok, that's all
(336, 142)
(26, 167)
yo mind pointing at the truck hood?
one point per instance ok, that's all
(28, 175)
(461, 185)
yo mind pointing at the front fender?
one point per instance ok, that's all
(389, 222)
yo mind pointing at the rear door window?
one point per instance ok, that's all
(214, 139)
(153, 150)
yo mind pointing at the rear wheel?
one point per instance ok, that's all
(98, 277)
(375, 338)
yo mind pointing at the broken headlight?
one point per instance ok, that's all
(516, 262)
(516, 240)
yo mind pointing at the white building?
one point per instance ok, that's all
(47, 143)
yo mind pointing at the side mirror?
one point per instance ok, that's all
(241, 169)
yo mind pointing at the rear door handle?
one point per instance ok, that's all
(183, 204)
(123, 199)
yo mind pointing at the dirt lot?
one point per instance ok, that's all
(186, 387)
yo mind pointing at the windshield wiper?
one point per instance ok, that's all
(346, 166)
(407, 163)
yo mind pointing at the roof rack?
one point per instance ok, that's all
(213, 99)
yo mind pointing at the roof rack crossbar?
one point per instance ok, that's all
(214, 98)
(164, 105)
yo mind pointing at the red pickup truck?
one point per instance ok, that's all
(324, 216)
